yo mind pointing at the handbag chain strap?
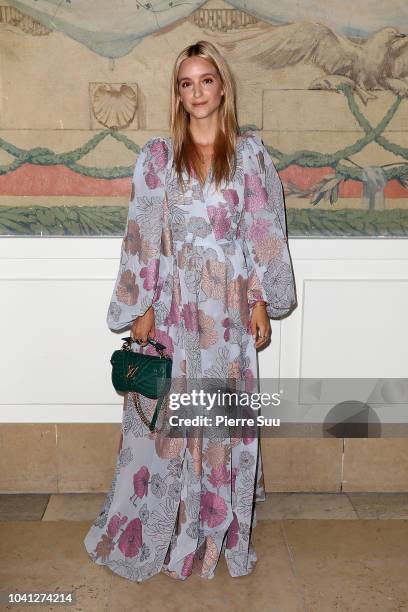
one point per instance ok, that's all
(143, 418)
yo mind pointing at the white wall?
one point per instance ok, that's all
(55, 348)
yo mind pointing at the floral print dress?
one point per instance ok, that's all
(201, 259)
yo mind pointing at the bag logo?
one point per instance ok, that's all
(131, 371)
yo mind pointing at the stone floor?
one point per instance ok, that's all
(316, 553)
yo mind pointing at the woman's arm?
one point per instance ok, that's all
(138, 273)
(270, 272)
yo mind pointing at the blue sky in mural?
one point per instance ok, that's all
(339, 14)
(113, 29)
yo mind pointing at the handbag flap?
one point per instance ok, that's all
(149, 375)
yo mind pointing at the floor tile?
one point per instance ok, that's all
(74, 507)
(350, 566)
(271, 587)
(380, 505)
(25, 507)
(50, 556)
(304, 565)
(305, 505)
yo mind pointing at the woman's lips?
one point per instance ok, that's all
(199, 103)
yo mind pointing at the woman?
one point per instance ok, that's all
(204, 265)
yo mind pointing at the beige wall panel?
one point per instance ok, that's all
(86, 456)
(28, 458)
(376, 464)
(302, 464)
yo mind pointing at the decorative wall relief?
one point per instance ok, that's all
(222, 20)
(114, 105)
(380, 61)
(13, 17)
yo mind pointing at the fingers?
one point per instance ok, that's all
(261, 342)
(264, 335)
(260, 326)
(142, 337)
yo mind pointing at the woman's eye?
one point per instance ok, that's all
(208, 80)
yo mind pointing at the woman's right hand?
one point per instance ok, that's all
(143, 327)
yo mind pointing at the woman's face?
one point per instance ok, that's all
(199, 86)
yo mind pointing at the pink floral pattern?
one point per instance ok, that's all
(149, 274)
(231, 196)
(115, 524)
(219, 476)
(256, 195)
(220, 221)
(160, 154)
(232, 536)
(190, 316)
(131, 539)
(213, 509)
(187, 565)
(152, 179)
(259, 230)
(200, 259)
(140, 481)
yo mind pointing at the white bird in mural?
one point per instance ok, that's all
(380, 62)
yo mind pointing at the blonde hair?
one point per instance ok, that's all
(186, 155)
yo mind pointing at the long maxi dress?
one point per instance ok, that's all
(201, 258)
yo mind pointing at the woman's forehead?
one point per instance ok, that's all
(196, 66)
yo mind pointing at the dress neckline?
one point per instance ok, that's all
(240, 139)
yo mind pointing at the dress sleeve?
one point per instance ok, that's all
(263, 227)
(137, 278)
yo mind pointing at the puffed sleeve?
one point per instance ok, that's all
(138, 273)
(263, 227)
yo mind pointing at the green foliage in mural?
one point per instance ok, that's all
(111, 220)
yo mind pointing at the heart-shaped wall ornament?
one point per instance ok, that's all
(114, 104)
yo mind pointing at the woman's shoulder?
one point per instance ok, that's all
(253, 140)
(157, 149)
(257, 150)
(157, 142)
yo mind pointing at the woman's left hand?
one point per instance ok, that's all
(260, 325)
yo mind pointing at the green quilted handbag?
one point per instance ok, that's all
(149, 375)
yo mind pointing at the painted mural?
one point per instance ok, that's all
(82, 92)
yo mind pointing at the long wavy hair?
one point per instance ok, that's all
(186, 154)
